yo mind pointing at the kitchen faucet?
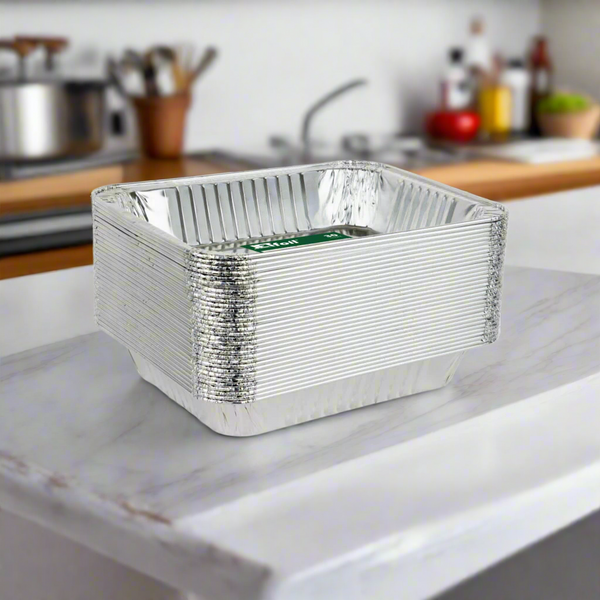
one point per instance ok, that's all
(317, 106)
(303, 153)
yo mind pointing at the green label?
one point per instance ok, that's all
(296, 241)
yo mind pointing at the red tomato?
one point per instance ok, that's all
(457, 126)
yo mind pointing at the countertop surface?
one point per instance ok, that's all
(556, 231)
(412, 495)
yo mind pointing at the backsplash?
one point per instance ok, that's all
(276, 58)
(573, 29)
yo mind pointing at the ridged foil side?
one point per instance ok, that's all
(494, 289)
(289, 409)
(351, 196)
(223, 294)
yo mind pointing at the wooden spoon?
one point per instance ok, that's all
(207, 59)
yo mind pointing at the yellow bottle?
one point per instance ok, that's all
(495, 109)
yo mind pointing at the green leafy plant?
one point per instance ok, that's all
(562, 102)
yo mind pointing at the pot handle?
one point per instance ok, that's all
(22, 48)
(52, 46)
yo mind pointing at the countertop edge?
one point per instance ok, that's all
(129, 534)
(432, 557)
(191, 561)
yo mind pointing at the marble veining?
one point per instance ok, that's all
(82, 408)
(86, 444)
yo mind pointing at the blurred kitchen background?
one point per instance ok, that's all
(498, 97)
(94, 92)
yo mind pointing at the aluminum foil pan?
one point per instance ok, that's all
(262, 299)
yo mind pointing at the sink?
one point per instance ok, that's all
(409, 153)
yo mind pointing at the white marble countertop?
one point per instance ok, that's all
(556, 231)
(400, 500)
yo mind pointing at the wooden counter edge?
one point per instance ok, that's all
(498, 180)
(74, 189)
(46, 260)
(489, 179)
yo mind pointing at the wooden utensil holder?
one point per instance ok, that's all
(161, 124)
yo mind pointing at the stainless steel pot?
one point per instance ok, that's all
(50, 119)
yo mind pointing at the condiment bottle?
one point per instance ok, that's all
(540, 67)
(495, 103)
(478, 59)
(456, 89)
(479, 53)
(516, 78)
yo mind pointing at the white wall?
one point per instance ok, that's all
(573, 28)
(278, 57)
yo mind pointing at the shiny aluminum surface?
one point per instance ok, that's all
(417, 276)
(50, 119)
(320, 401)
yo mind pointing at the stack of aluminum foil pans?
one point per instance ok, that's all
(263, 299)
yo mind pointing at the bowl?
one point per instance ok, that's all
(581, 124)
